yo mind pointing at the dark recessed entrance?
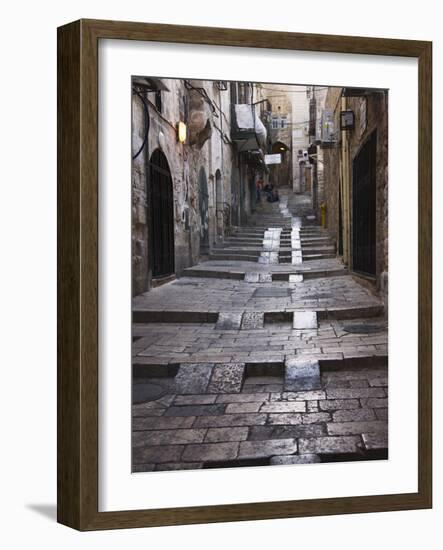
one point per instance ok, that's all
(203, 198)
(161, 216)
(364, 208)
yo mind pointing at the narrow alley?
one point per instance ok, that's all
(266, 352)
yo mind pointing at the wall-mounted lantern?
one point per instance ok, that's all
(182, 132)
(347, 120)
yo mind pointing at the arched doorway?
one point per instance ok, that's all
(203, 200)
(219, 203)
(280, 174)
(161, 216)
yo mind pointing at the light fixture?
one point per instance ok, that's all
(182, 131)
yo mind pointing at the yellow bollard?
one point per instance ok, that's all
(323, 214)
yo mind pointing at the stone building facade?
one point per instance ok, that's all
(280, 132)
(356, 181)
(189, 190)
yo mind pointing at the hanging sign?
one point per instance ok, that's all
(273, 159)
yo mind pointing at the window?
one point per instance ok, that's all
(275, 122)
(283, 122)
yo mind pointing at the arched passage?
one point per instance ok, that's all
(161, 215)
(280, 174)
(203, 200)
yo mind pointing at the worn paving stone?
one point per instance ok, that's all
(227, 378)
(193, 378)
(163, 423)
(295, 278)
(243, 398)
(157, 453)
(265, 277)
(167, 437)
(354, 428)
(252, 277)
(379, 382)
(286, 460)
(312, 418)
(374, 441)
(330, 444)
(374, 403)
(251, 407)
(312, 406)
(196, 410)
(262, 380)
(194, 399)
(216, 435)
(301, 374)
(265, 388)
(355, 415)
(354, 393)
(290, 419)
(257, 433)
(227, 420)
(313, 395)
(304, 319)
(283, 407)
(260, 449)
(228, 320)
(382, 414)
(207, 452)
(271, 292)
(252, 320)
(358, 383)
(335, 404)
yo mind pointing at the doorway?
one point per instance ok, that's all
(203, 200)
(161, 216)
(364, 208)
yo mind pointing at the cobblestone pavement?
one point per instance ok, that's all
(242, 363)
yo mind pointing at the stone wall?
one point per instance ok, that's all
(371, 114)
(376, 120)
(206, 110)
(331, 168)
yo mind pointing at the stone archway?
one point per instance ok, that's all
(280, 174)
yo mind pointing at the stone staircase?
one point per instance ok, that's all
(245, 243)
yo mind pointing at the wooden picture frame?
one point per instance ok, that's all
(78, 273)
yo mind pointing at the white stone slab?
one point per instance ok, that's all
(305, 319)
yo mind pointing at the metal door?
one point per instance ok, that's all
(161, 216)
(364, 208)
(203, 200)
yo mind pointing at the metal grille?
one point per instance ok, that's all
(162, 220)
(364, 208)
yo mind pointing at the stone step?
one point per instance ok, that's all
(234, 248)
(233, 257)
(318, 250)
(325, 256)
(278, 276)
(357, 311)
